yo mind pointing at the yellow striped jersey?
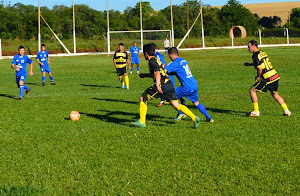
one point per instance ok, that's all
(156, 65)
(120, 57)
(261, 60)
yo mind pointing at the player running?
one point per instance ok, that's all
(189, 85)
(162, 88)
(19, 63)
(43, 59)
(162, 59)
(134, 56)
(121, 61)
(267, 79)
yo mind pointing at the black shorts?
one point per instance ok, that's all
(263, 86)
(121, 71)
(168, 92)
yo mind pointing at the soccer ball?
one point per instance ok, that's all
(74, 115)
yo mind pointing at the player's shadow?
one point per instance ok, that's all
(35, 84)
(99, 86)
(225, 111)
(118, 100)
(114, 117)
(8, 96)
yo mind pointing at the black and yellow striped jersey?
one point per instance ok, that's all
(120, 58)
(261, 60)
(156, 65)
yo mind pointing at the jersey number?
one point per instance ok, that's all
(187, 70)
(268, 64)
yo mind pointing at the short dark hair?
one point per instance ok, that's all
(173, 50)
(134, 42)
(121, 44)
(21, 47)
(44, 45)
(253, 43)
(150, 49)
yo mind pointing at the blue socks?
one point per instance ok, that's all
(21, 91)
(43, 79)
(131, 68)
(138, 68)
(202, 109)
(51, 78)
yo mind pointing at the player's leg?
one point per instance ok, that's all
(274, 92)
(51, 77)
(126, 80)
(131, 68)
(179, 91)
(138, 68)
(43, 75)
(186, 111)
(23, 87)
(261, 87)
(18, 81)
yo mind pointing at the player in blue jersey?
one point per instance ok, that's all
(134, 56)
(19, 63)
(189, 85)
(162, 59)
(43, 59)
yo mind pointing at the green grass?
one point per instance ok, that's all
(44, 153)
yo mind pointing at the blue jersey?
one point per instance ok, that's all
(181, 68)
(43, 57)
(160, 57)
(134, 51)
(21, 63)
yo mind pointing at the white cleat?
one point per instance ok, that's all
(137, 72)
(131, 73)
(254, 113)
(127, 88)
(287, 113)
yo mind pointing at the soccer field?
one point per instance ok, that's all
(42, 152)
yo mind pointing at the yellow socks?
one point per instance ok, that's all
(284, 106)
(255, 107)
(188, 112)
(127, 81)
(143, 112)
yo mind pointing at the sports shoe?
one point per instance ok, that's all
(131, 73)
(123, 86)
(127, 87)
(27, 91)
(197, 122)
(43, 84)
(137, 72)
(160, 104)
(253, 113)
(138, 124)
(52, 83)
(287, 113)
(179, 117)
(19, 99)
(210, 120)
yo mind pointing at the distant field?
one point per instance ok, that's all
(44, 153)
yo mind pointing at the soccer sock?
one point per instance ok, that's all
(143, 112)
(26, 87)
(255, 107)
(51, 78)
(182, 101)
(21, 91)
(185, 110)
(202, 109)
(43, 79)
(131, 68)
(127, 81)
(284, 106)
(138, 68)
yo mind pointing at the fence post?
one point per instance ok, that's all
(259, 34)
(232, 37)
(0, 49)
(287, 36)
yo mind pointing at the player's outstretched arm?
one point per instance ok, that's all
(259, 71)
(248, 64)
(31, 69)
(157, 81)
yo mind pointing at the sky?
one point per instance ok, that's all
(122, 4)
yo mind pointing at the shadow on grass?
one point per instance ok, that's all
(225, 111)
(118, 100)
(35, 84)
(99, 86)
(122, 118)
(8, 96)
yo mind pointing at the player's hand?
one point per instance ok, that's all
(17, 69)
(160, 90)
(31, 73)
(256, 79)
(49, 63)
(248, 64)
(42, 64)
(142, 75)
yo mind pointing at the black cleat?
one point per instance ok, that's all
(52, 83)
(27, 91)
(19, 99)
(43, 84)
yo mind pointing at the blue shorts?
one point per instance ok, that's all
(185, 92)
(135, 60)
(21, 77)
(45, 68)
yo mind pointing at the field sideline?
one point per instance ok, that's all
(44, 153)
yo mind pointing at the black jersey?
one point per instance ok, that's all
(261, 60)
(156, 65)
(121, 58)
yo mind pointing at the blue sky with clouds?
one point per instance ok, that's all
(122, 4)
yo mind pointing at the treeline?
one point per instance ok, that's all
(20, 21)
